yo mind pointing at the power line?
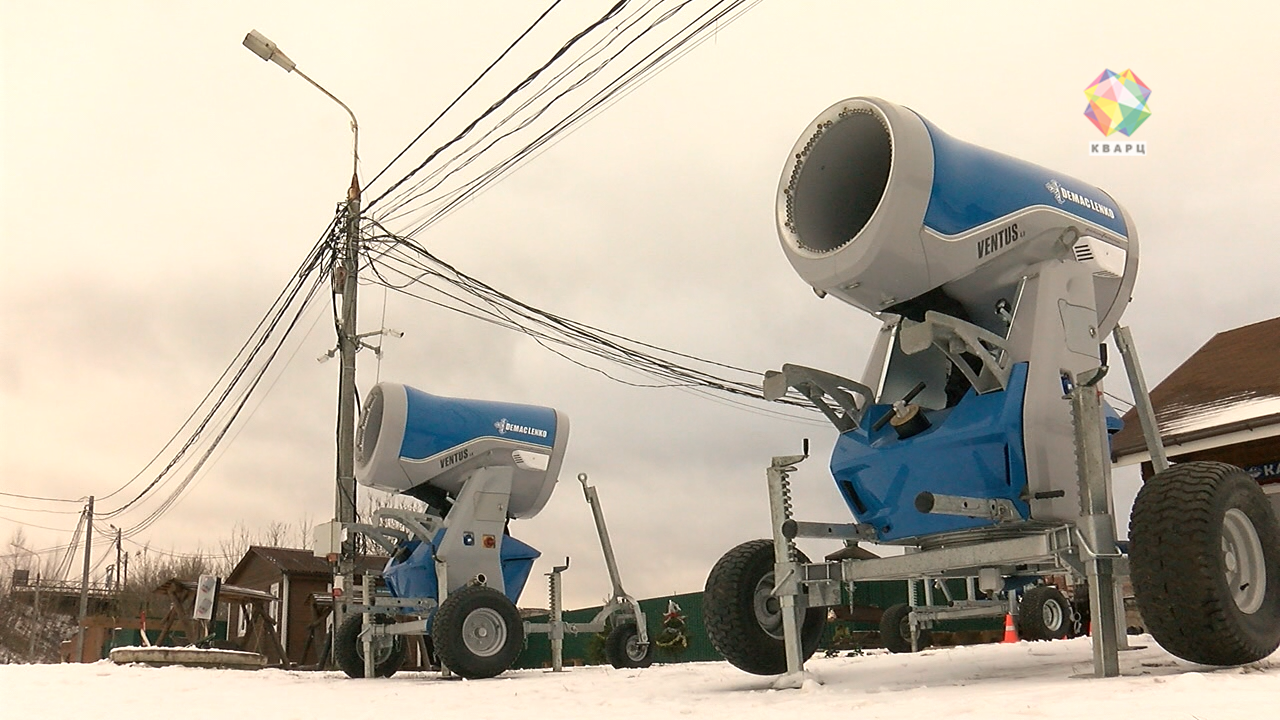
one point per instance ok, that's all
(225, 426)
(40, 510)
(308, 266)
(37, 497)
(306, 275)
(198, 555)
(31, 525)
(464, 92)
(407, 195)
(503, 310)
(656, 60)
(519, 86)
(1122, 401)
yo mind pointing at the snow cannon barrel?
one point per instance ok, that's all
(424, 445)
(883, 210)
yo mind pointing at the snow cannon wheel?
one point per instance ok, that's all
(1204, 557)
(477, 632)
(895, 630)
(1044, 614)
(744, 620)
(623, 649)
(388, 650)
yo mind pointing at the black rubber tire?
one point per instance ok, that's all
(895, 630)
(730, 618)
(462, 627)
(1180, 567)
(388, 652)
(1044, 614)
(623, 651)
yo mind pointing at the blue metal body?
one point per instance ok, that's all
(434, 424)
(973, 186)
(411, 572)
(974, 449)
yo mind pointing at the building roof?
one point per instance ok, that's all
(1231, 384)
(292, 561)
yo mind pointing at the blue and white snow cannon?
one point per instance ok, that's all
(994, 278)
(976, 436)
(477, 465)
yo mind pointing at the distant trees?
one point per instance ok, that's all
(148, 567)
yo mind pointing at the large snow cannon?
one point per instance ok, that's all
(977, 434)
(994, 277)
(880, 208)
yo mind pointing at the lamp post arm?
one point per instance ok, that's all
(354, 192)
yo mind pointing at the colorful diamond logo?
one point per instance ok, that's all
(1117, 103)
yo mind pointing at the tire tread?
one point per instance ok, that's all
(1175, 539)
(730, 620)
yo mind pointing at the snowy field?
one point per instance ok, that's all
(1026, 680)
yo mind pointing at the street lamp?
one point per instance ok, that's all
(348, 341)
(267, 50)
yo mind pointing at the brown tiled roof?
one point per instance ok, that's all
(293, 561)
(1231, 383)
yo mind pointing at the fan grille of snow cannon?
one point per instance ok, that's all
(370, 426)
(838, 181)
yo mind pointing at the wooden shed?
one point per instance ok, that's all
(292, 576)
(1222, 404)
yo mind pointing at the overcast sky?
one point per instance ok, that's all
(161, 184)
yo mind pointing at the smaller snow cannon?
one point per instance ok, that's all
(428, 446)
(455, 573)
(477, 465)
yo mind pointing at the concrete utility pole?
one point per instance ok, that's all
(84, 580)
(39, 628)
(347, 266)
(348, 345)
(118, 584)
(31, 648)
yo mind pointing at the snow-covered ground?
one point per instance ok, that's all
(1023, 680)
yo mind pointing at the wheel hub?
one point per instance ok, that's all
(382, 647)
(1243, 562)
(1052, 615)
(633, 650)
(768, 610)
(483, 632)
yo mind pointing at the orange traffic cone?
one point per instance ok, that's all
(1010, 634)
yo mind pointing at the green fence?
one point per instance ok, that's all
(674, 623)
(130, 637)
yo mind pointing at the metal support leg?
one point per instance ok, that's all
(366, 629)
(913, 599)
(1122, 626)
(786, 571)
(557, 620)
(620, 596)
(1102, 592)
(1141, 398)
(1097, 526)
